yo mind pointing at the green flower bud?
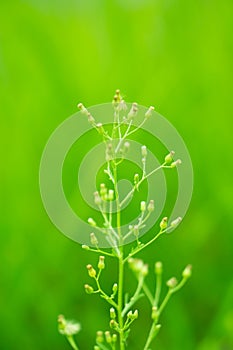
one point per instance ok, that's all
(133, 111)
(108, 337)
(115, 288)
(136, 179)
(163, 223)
(85, 247)
(187, 271)
(97, 198)
(158, 268)
(143, 206)
(111, 195)
(114, 338)
(99, 337)
(155, 313)
(91, 222)
(177, 162)
(176, 222)
(144, 151)
(96, 347)
(91, 271)
(113, 324)
(112, 313)
(93, 239)
(101, 264)
(172, 282)
(151, 206)
(67, 327)
(100, 128)
(169, 157)
(103, 191)
(88, 289)
(149, 112)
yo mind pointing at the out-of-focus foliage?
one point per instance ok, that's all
(177, 55)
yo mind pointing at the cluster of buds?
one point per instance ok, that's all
(169, 160)
(110, 339)
(132, 315)
(103, 195)
(68, 327)
(101, 337)
(138, 266)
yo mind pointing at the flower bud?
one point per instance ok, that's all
(136, 179)
(91, 222)
(151, 205)
(169, 157)
(158, 268)
(82, 109)
(103, 191)
(99, 337)
(143, 206)
(149, 111)
(113, 324)
(176, 222)
(96, 347)
(101, 264)
(114, 338)
(163, 223)
(172, 282)
(91, 271)
(135, 315)
(88, 289)
(109, 152)
(85, 247)
(155, 313)
(100, 128)
(144, 151)
(97, 198)
(93, 239)
(112, 313)
(133, 111)
(177, 162)
(108, 337)
(126, 146)
(187, 271)
(136, 230)
(111, 195)
(114, 288)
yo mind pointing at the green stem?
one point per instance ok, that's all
(158, 288)
(139, 183)
(72, 342)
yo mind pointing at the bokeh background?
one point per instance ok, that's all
(174, 54)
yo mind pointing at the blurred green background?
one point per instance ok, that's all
(174, 54)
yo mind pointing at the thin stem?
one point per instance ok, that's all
(152, 334)
(103, 252)
(104, 295)
(135, 297)
(139, 183)
(72, 342)
(144, 245)
(147, 292)
(158, 288)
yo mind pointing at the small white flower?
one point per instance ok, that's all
(68, 327)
